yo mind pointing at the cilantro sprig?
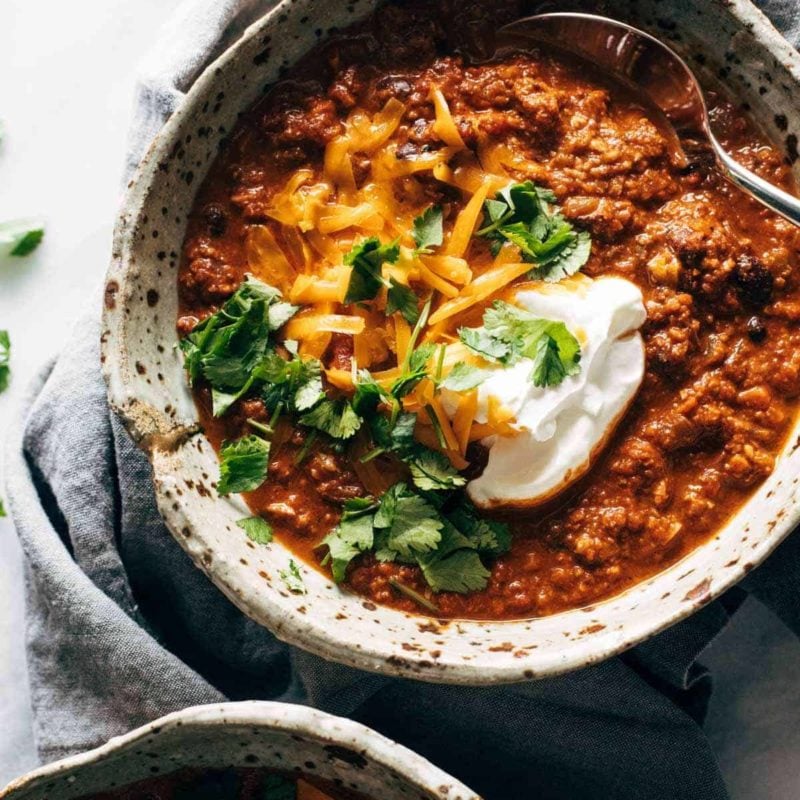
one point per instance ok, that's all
(509, 334)
(524, 215)
(444, 537)
(367, 258)
(366, 278)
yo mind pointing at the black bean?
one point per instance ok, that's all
(216, 220)
(752, 281)
(756, 330)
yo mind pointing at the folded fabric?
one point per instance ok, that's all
(122, 628)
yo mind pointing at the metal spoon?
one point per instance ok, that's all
(655, 70)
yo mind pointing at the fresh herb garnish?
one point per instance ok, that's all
(231, 347)
(337, 418)
(366, 279)
(21, 236)
(5, 359)
(522, 214)
(293, 578)
(2, 509)
(464, 377)
(413, 528)
(405, 525)
(510, 334)
(258, 530)
(351, 537)
(431, 471)
(428, 231)
(243, 464)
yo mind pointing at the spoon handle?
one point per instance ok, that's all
(771, 196)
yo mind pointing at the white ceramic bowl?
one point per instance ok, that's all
(147, 386)
(253, 734)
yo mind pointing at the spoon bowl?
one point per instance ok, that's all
(640, 61)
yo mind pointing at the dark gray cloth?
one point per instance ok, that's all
(122, 628)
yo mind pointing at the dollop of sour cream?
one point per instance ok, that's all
(559, 429)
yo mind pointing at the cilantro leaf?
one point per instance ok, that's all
(428, 231)
(567, 260)
(483, 343)
(258, 530)
(464, 377)
(293, 578)
(5, 358)
(510, 334)
(413, 371)
(548, 370)
(351, 537)
(21, 236)
(367, 259)
(243, 464)
(409, 523)
(521, 214)
(403, 299)
(485, 535)
(226, 347)
(461, 571)
(28, 243)
(368, 395)
(2, 508)
(431, 471)
(337, 418)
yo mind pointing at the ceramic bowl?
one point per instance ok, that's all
(147, 386)
(277, 736)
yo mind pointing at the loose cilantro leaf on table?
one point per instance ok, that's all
(5, 359)
(428, 231)
(337, 418)
(366, 279)
(20, 237)
(293, 578)
(258, 530)
(243, 464)
(521, 214)
(510, 334)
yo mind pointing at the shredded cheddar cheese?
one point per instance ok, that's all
(370, 186)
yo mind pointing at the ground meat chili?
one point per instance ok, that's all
(246, 783)
(718, 273)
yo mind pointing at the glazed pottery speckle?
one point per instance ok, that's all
(729, 41)
(277, 736)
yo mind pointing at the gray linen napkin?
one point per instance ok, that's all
(122, 628)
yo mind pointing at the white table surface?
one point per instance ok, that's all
(67, 79)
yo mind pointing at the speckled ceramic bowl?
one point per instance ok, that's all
(278, 736)
(148, 389)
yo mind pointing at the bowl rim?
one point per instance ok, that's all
(287, 718)
(374, 655)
